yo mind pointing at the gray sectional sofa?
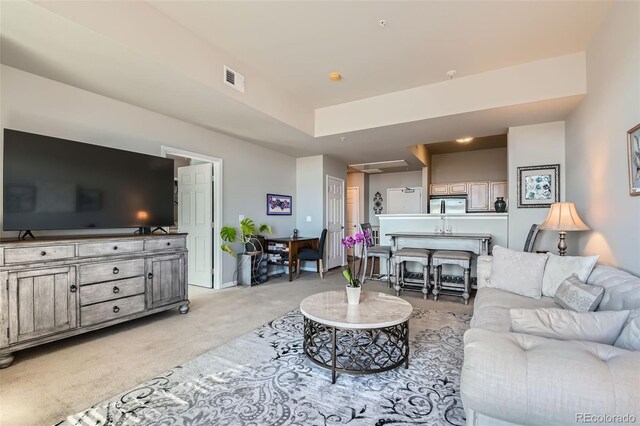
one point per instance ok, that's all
(521, 379)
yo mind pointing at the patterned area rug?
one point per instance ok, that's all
(264, 378)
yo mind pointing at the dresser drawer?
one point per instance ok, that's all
(38, 253)
(96, 293)
(164, 243)
(113, 309)
(114, 247)
(108, 271)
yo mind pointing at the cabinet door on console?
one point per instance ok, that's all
(41, 302)
(165, 279)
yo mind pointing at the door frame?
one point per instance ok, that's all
(217, 206)
(357, 204)
(344, 213)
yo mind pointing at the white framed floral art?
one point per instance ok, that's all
(538, 186)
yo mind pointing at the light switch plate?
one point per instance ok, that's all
(308, 218)
(240, 218)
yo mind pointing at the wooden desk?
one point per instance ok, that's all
(293, 246)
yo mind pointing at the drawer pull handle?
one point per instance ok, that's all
(73, 288)
(116, 309)
(116, 289)
(150, 275)
(168, 244)
(116, 270)
(115, 247)
(43, 253)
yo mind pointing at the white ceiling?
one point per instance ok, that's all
(297, 44)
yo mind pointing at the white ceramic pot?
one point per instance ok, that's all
(353, 295)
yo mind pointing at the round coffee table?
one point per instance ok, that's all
(367, 338)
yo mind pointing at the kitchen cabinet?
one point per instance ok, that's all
(497, 189)
(478, 196)
(459, 188)
(439, 189)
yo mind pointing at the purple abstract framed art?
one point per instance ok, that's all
(279, 205)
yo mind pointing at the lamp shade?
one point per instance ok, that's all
(563, 217)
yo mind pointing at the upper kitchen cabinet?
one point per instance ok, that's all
(459, 188)
(478, 197)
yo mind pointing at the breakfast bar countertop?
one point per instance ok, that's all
(464, 235)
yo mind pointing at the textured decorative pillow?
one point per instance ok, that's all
(517, 272)
(560, 267)
(600, 327)
(577, 296)
(630, 337)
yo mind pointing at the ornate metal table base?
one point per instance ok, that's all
(362, 351)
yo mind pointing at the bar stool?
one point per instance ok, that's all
(373, 252)
(381, 253)
(451, 257)
(420, 256)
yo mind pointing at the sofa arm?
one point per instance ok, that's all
(532, 380)
(484, 270)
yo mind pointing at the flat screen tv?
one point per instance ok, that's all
(52, 183)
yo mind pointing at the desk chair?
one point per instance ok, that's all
(313, 255)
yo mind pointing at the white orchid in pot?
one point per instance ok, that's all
(362, 239)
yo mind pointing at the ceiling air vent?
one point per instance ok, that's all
(234, 79)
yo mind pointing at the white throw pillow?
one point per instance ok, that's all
(517, 272)
(560, 267)
(600, 327)
(629, 338)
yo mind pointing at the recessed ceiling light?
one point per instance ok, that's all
(335, 76)
(464, 140)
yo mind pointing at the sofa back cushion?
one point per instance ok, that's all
(621, 289)
(517, 272)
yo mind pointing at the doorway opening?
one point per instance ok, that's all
(198, 211)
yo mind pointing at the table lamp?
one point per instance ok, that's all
(563, 217)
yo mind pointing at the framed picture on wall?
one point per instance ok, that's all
(633, 147)
(538, 186)
(279, 205)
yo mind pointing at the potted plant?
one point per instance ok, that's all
(353, 282)
(252, 241)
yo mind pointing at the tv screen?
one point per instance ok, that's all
(52, 183)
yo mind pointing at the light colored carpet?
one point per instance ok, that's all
(264, 378)
(48, 383)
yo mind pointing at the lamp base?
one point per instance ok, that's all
(562, 245)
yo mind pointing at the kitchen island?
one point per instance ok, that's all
(473, 232)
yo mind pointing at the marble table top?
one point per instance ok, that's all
(375, 310)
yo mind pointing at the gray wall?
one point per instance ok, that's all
(381, 182)
(534, 145)
(597, 171)
(481, 165)
(360, 181)
(309, 195)
(35, 104)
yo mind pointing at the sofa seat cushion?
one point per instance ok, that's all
(533, 380)
(491, 308)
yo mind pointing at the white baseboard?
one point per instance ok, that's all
(228, 285)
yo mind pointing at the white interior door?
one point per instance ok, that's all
(353, 210)
(334, 251)
(195, 218)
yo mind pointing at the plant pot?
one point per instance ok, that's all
(353, 295)
(500, 205)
